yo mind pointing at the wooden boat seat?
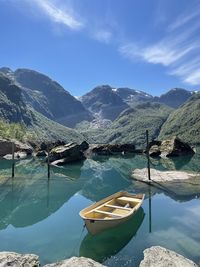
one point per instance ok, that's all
(109, 213)
(129, 199)
(117, 207)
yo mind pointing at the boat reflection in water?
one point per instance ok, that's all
(108, 243)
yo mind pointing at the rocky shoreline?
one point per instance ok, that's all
(61, 153)
(155, 256)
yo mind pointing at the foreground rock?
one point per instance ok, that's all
(163, 176)
(161, 257)
(6, 147)
(170, 148)
(76, 262)
(68, 153)
(110, 149)
(18, 260)
(31, 260)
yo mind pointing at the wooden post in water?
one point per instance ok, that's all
(13, 160)
(149, 208)
(148, 159)
(48, 163)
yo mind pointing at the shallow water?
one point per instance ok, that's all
(42, 217)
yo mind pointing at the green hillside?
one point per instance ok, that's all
(184, 122)
(12, 130)
(19, 120)
(131, 125)
(44, 129)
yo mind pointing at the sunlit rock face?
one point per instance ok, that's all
(161, 257)
(15, 259)
(104, 102)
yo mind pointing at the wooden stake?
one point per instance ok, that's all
(48, 163)
(13, 160)
(149, 209)
(147, 151)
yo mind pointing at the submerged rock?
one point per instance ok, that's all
(170, 148)
(110, 149)
(68, 153)
(157, 256)
(163, 176)
(177, 184)
(18, 260)
(76, 262)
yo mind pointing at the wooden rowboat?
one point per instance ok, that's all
(111, 211)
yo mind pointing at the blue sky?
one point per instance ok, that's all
(151, 45)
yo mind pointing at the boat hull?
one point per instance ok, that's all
(96, 224)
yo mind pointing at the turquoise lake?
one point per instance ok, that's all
(41, 216)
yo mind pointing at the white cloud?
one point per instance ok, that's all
(165, 52)
(189, 72)
(103, 36)
(57, 14)
(193, 78)
(184, 19)
(177, 51)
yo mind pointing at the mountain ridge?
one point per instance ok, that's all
(107, 113)
(48, 97)
(37, 127)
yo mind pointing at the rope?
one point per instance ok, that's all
(77, 243)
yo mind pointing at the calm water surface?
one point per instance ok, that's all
(41, 217)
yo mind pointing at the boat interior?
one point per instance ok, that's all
(114, 208)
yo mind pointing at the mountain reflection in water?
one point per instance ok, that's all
(41, 216)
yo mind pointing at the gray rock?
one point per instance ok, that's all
(76, 262)
(17, 155)
(170, 148)
(164, 176)
(110, 149)
(68, 153)
(41, 153)
(161, 257)
(154, 151)
(18, 260)
(6, 147)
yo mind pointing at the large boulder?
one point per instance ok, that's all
(18, 260)
(110, 149)
(6, 147)
(46, 145)
(68, 153)
(76, 262)
(161, 257)
(170, 148)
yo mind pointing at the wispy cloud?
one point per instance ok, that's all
(176, 51)
(183, 19)
(58, 14)
(189, 72)
(104, 36)
(160, 53)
